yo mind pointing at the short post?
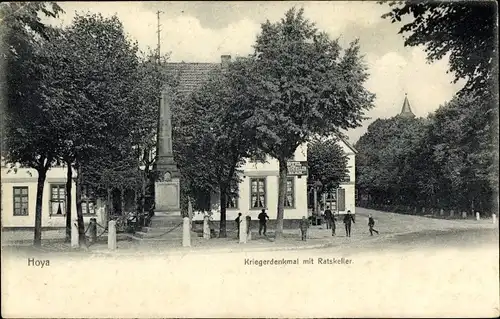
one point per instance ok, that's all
(74, 234)
(206, 227)
(494, 217)
(415, 210)
(452, 212)
(190, 213)
(441, 212)
(423, 210)
(243, 231)
(249, 228)
(186, 233)
(112, 234)
(93, 230)
(464, 215)
(478, 216)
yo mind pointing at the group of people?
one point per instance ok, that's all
(330, 220)
(263, 218)
(304, 223)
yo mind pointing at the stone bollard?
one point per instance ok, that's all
(478, 216)
(112, 234)
(423, 210)
(75, 243)
(206, 227)
(452, 212)
(494, 217)
(93, 230)
(186, 234)
(249, 228)
(415, 210)
(243, 231)
(441, 212)
(464, 215)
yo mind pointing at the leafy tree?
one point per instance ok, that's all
(209, 129)
(462, 148)
(385, 157)
(445, 28)
(299, 86)
(327, 163)
(27, 133)
(93, 73)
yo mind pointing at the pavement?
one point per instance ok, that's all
(390, 226)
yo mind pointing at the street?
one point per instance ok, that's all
(433, 272)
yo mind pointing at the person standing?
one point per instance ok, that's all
(263, 217)
(304, 225)
(328, 217)
(333, 225)
(238, 222)
(348, 218)
(371, 223)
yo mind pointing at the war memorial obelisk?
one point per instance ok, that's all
(167, 186)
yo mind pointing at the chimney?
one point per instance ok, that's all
(225, 60)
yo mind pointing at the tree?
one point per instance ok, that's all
(385, 156)
(93, 73)
(209, 127)
(299, 85)
(445, 28)
(462, 149)
(27, 135)
(327, 163)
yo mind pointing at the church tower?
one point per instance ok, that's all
(406, 110)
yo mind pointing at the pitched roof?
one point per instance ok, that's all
(190, 76)
(406, 109)
(346, 142)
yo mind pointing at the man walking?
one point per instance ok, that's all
(347, 222)
(371, 223)
(263, 217)
(328, 217)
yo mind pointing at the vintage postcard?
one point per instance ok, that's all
(261, 159)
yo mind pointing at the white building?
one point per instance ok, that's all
(18, 199)
(343, 199)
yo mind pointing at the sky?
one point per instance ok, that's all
(203, 31)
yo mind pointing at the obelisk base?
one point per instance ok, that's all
(167, 197)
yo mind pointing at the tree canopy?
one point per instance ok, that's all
(466, 30)
(300, 83)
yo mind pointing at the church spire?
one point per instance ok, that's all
(406, 110)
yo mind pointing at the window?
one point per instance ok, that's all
(290, 193)
(88, 202)
(232, 198)
(20, 201)
(258, 193)
(58, 200)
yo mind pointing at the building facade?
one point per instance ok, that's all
(18, 199)
(343, 199)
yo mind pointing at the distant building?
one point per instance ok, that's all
(406, 109)
(258, 188)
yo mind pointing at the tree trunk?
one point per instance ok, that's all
(281, 198)
(69, 184)
(79, 212)
(109, 201)
(38, 210)
(223, 202)
(122, 201)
